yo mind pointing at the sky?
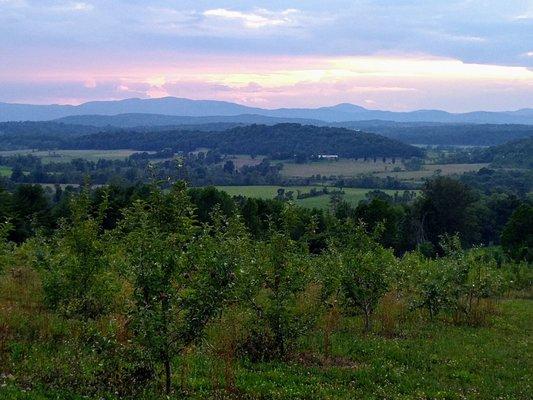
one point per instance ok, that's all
(455, 55)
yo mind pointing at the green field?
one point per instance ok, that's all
(433, 169)
(342, 167)
(69, 155)
(240, 160)
(350, 168)
(352, 195)
(5, 171)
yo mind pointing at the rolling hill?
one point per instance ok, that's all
(278, 141)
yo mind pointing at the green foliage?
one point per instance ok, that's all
(454, 283)
(155, 235)
(5, 248)
(181, 273)
(277, 294)
(365, 268)
(77, 278)
(517, 236)
(30, 210)
(273, 286)
(446, 208)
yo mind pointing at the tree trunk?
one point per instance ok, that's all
(368, 322)
(168, 374)
(165, 306)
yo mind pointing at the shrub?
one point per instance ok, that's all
(5, 248)
(365, 278)
(517, 236)
(455, 283)
(180, 273)
(274, 287)
(76, 276)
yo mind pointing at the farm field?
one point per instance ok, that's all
(68, 155)
(5, 171)
(261, 192)
(342, 167)
(352, 195)
(240, 160)
(351, 168)
(432, 169)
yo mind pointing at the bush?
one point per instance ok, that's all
(276, 287)
(517, 236)
(76, 276)
(455, 283)
(363, 267)
(5, 248)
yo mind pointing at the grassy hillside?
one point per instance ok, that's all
(434, 360)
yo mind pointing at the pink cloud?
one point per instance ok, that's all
(393, 82)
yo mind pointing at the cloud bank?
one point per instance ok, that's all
(458, 55)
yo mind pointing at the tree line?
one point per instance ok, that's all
(445, 206)
(280, 141)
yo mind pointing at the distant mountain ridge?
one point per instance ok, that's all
(172, 106)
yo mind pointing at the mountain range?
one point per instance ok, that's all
(167, 107)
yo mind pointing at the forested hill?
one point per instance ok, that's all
(40, 128)
(517, 154)
(39, 135)
(444, 134)
(278, 141)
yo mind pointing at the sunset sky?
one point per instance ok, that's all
(456, 55)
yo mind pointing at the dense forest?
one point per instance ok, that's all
(514, 154)
(278, 141)
(436, 134)
(56, 133)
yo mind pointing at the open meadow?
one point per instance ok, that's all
(429, 170)
(5, 171)
(69, 155)
(352, 168)
(341, 167)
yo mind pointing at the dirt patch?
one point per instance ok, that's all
(309, 359)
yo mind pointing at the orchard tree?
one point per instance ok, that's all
(275, 285)
(181, 272)
(74, 264)
(365, 278)
(155, 235)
